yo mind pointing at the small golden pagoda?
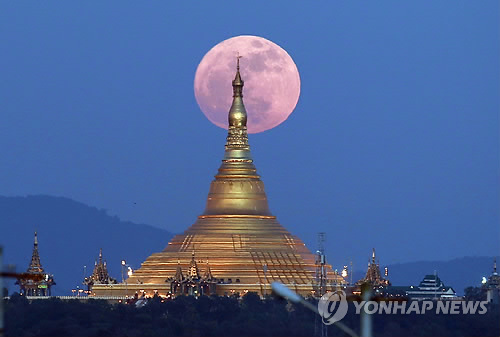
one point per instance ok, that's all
(100, 274)
(241, 243)
(373, 275)
(35, 282)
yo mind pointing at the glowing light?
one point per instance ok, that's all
(483, 281)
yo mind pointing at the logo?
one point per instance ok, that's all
(332, 307)
(448, 307)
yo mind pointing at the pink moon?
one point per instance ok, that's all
(272, 82)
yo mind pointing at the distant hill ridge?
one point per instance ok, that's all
(458, 273)
(71, 233)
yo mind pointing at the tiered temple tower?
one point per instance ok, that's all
(99, 275)
(35, 282)
(492, 286)
(245, 244)
(193, 283)
(373, 275)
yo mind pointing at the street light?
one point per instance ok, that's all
(282, 290)
(129, 273)
(344, 272)
(123, 265)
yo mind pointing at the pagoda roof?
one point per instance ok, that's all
(237, 230)
(100, 274)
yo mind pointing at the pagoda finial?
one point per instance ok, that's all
(238, 56)
(249, 197)
(237, 137)
(495, 265)
(208, 273)
(35, 264)
(178, 272)
(193, 268)
(373, 255)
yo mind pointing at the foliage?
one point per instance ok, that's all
(218, 316)
(475, 294)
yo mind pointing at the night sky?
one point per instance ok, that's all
(394, 143)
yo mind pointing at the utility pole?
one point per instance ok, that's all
(350, 274)
(1, 293)
(321, 265)
(366, 319)
(321, 280)
(264, 268)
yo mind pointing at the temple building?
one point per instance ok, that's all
(35, 282)
(431, 287)
(492, 286)
(100, 274)
(246, 245)
(193, 283)
(373, 275)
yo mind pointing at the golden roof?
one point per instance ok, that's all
(237, 231)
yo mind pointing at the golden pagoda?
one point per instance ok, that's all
(373, 275)
(100, 274)
(242, 245)
(35, 282)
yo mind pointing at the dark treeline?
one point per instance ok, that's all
(219, 316)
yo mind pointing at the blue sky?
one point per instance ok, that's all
(394, 143)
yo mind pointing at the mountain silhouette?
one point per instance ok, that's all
(70, 235)
(458, 273)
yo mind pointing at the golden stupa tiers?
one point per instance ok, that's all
(237, 241)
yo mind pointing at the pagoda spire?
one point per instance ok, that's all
(373, 255)
(237, 137)
(178, 272)
(100, 274)
(237, 188)
(35, 264)
(208, 272)
(193, 271)
(35, 282)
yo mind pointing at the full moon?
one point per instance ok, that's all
(272, 82)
